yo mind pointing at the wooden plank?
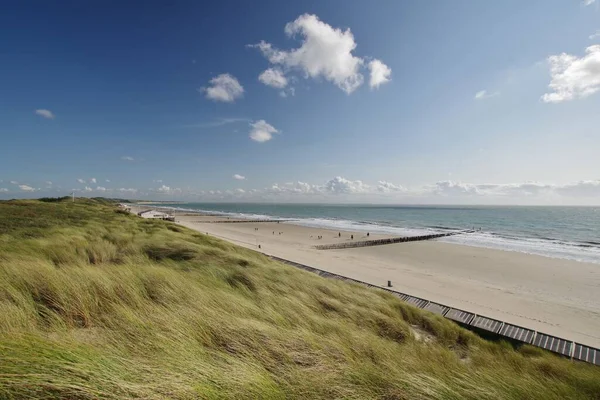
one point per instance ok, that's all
(587, 354)
(487, 324)
(436, 308)
(517, 333)
(415, 301)
(553, 343)
(460, 316)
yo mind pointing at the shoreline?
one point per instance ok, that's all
(554, 296)
(584, 252)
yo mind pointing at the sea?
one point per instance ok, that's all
(571, 233)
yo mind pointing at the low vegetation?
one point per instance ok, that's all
(95, 303)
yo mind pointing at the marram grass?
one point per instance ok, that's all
(98, 304)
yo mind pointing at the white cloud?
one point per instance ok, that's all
(387, 187)
(80, 180)
(240, 190)
(573, 77)
(101, 189)
(87, 189)
(451, 188)
(3, 190)
(164, 189)
(217, 123)
(48, 182)
(44, 113)
(127, 158)
(26, 188)
(93, 180)
(158, 181)
(588, 2)
(589, 189)
(225, 88)
(239, 177)
(595, 35)
(483, 94)
(340, 185)
(325, 52)
(14, 182)
(127, 190)
(262, 131)
(273, 77)
(107, 180)
(380, 73)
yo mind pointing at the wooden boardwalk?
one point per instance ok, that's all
(475, 322)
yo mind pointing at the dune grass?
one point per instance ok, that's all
(95, 303)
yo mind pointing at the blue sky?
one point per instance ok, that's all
(469, 101)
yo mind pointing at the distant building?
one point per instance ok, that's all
(153, 214)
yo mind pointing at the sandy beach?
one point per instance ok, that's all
(554, 296)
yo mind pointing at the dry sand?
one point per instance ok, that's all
(554, 296)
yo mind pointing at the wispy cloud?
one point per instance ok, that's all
(42, 112)
(127, 158)
(27, 188)
(239, 177)
(81, 180)
(483, 94)
(218, 122)
(588, 2)
(595, 35)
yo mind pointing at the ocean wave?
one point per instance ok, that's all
(585, 251)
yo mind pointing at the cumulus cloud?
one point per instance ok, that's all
(340, 185)
(93, 180)
(3, 190)
(595, 35)
(239, 177)
(87, 189)
(80, 180)
(42, 112)
(380, 73)
(127, 158)
(573, 77)
(27, 188)
(224, 88)
(273, 77)
(325, 52)
(107, 180)
(14, 182)
(262, 131)
(295, 187)
(101, 189)
(387, 187)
